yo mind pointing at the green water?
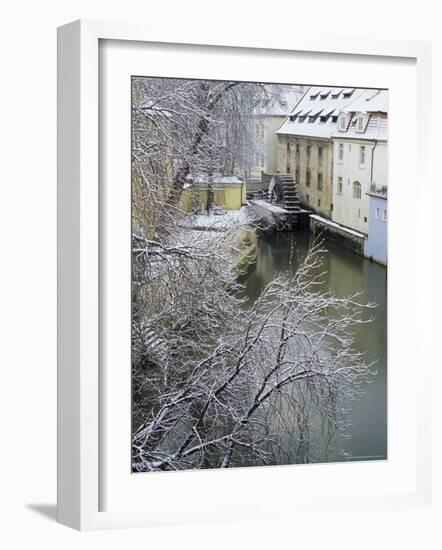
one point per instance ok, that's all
(346, 274)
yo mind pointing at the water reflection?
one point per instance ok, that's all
(345, 273)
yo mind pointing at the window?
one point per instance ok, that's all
(319, 182)
(298, 149)
(307, 178)
(362, 154)
(360, 124)
(301, 119)
(334, 119)
(377, 213)
(342, 123)
(297, 175)
(320, 154)
(340, 185)
(309, 149)
(307, 198)
(288, 158)
(319, 202)
(384, 215)
(365, 219)
(341, 151)
(357, 191)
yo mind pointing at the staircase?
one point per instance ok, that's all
(287, 198)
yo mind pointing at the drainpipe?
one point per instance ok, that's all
(372, 159)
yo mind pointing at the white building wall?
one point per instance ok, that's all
(264, 158)
(350, 208)
(380, 164)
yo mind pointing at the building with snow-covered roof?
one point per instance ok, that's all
(305, 146)
(359, 157)
(269, 115)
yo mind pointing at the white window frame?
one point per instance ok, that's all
(343, 123)
(340, 183)
(357, 190)
(340, 152)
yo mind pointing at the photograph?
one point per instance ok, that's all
(258, 274)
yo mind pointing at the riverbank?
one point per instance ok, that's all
(238, 226)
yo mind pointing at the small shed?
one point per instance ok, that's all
(229, 192)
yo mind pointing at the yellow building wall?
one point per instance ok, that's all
(230, 197)
(311, 196)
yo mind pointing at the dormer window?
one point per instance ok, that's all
(360, 124)
(294, 116)
(301, 119)
(334, 119)
(342, 124)
(314, 96)
(348, 93)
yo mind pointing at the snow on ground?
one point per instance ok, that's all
(226, 220)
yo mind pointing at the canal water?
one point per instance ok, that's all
(346, 274)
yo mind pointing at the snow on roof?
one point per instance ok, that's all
(370, 101)
(377, 129)
(328, 103)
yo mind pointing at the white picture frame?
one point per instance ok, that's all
(79, 296)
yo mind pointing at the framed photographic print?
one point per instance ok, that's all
(228, 215)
